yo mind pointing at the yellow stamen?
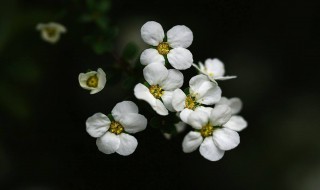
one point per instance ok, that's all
(206, 130)
(163, 48)
(51, 31)
(93, 81)
(116, 128)
(190, 102)
(156, 91)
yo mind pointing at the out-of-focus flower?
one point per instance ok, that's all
(161, 84)
(211, 133)
(202, 91)
(93, 80)
(50, 32)
(172, 46)
(214, 69)
(236, 122)
(180, 127)
(113, 135)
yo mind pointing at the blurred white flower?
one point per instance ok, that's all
(202, 91)
(214, 69)
(162, 82)
(211, 133)
(180, 127)
(113, 135)
(236, 122)
(51, 31)
(172, 46)
(93, 80)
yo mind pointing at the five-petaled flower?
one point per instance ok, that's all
(202, 91)
(212, 132)
(161, 84)
(112, 135)
(214, 69)
(172, 46)
(51, 31)
(93, 80)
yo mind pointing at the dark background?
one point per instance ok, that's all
(272, 46)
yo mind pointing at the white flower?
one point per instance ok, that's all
(162, 84)
(214, 69)
(113, 136)
(202, 91)
(173, 46)
(93, 80)
(51, 31)
(236, 122)
(211, 133)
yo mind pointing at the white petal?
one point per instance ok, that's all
(200, 84)
(220, 115)
(122, 108)
(184, 115)
(235, 104)
(128, 144)
(160, 108)
(57, 26)
(178, 100)
(215, 66)
(167, 100)
(173, 81)
(210, 151)
(226, 139)
(97, 125)
(152, 33)
(180, 58)
(224, 101)
(180, 36)
(204, 109)
(236, 123)
(191, 142)
(211, 95)
(142, 92)
(167, 136)
(101, 81)
(198, 119)
(83, 77)
(180, 126)
(133, 122)
(108, 143)
(151, 56)
(225, 78)
(155, 73)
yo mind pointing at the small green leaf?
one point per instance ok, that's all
(110, 117)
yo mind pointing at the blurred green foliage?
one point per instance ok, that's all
(102, 38)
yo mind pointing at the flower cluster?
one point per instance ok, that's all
(213, 119)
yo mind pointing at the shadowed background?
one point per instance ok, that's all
(273, 48)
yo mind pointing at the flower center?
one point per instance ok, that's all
(191, 103)
(156, 91)
(51, 32)
(163, 48)
(206, 130)
(93, 81)
(116, 128)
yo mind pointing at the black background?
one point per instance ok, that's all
(272, 46)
